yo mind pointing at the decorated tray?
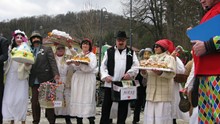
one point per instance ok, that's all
(154, 68)
(60, 37)
(60, 40)
(80, 61)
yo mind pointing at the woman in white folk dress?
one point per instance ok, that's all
(65, 73)
(15, 99)
(180, 69)
(83, 85)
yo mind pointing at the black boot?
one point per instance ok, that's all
(79, 120)
(110, 121)
(91, 120)
(68, 121)
(174, 121)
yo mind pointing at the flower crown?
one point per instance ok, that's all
(24, 37)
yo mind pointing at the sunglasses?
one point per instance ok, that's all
(156, 46)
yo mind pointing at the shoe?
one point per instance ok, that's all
(91, 120)
(68, 121)
(134, 122)
(79, 120)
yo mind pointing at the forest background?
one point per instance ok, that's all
(151, 20)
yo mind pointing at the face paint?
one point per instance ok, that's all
(18, 37)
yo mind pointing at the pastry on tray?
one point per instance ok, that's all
(80, 59)
(60, 37)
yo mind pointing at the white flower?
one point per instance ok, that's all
(41, 51)
(129, 53)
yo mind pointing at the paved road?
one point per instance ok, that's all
(62, 121)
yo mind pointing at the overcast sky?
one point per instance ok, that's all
(10, 9)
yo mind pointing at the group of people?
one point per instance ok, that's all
(119, 63)
(49, 65)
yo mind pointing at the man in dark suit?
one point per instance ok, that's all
(44, 69)
(3, 57)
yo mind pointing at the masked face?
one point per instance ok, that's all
(18, 39)
(36, 41)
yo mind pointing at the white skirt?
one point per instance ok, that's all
(157, 113)
(83, 88)
(64, 110)
(15, 99)
(194, 117)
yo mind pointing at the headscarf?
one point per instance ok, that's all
(166, 44)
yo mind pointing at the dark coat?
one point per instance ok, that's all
(3, 50)
(3, 56)
(45, 66)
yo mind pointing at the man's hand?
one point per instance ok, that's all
(108, 79)
(56, 78)
(127, 77)
(199, 47)
(189, 28)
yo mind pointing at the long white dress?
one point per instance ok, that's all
(176, 113)
(15, 99)
(189, 85)
(83, 88)
(63, 69)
